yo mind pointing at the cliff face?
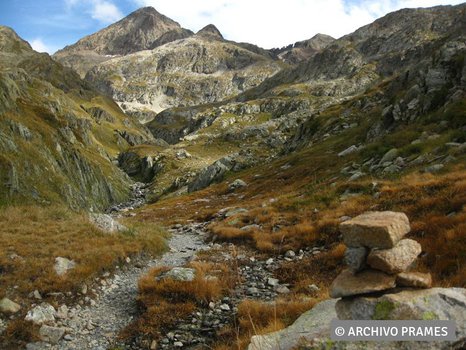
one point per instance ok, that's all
(58, 137)
(197, 70)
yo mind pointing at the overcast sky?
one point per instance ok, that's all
(51, 25)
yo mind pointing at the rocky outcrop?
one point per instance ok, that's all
(303, 50)
(58, 137)
(213, 173)
(181, 73)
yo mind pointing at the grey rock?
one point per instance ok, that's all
(290, 254)
(435, 168)
(51, 334)
(238, 183)
(179, 274)
(389, 156)
(348, 151)
(272, 282)
(106, 223)
(281, 289)
(210, 174)
(312, 324)
(63, 265)
(311, 330)
(235, 211)
(357, 175)
(9, 307)
(41, 314)
(355, 258)
(418, 304)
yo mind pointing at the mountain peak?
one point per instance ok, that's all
(137, 31)
(210, 30)
(11, 42)
(317, 42)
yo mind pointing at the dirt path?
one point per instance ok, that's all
(97, 325)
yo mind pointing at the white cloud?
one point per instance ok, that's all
(105, 11)
(278, 23)
(39, 46)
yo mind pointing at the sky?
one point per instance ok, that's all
(51, 25)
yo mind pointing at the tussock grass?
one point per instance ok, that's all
(166, 301)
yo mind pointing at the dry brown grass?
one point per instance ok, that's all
(256, 317)
(165, 302)
(32, 237)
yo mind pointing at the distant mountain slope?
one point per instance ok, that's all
(192, 71)
(385, 47)
(58, 137)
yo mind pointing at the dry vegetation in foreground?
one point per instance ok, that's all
(32, 237)
(165, 302)
(299, 200)
(256, 317)
(309, 215)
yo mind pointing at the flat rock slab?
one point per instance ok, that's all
(414, 279)
(368, 281)
(312, 324)
(375, 229)
(417, 304)
(312, 329)
(396, 259)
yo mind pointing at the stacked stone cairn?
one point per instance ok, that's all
(379, 259)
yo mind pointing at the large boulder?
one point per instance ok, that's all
(106, 223)
(417, 304)
(396, 259)
(375, 229)
(348, 283)
(313, 324)
(212, 173)
(312, 329)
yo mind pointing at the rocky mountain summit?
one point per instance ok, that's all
(144, 29)
(210, 30)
